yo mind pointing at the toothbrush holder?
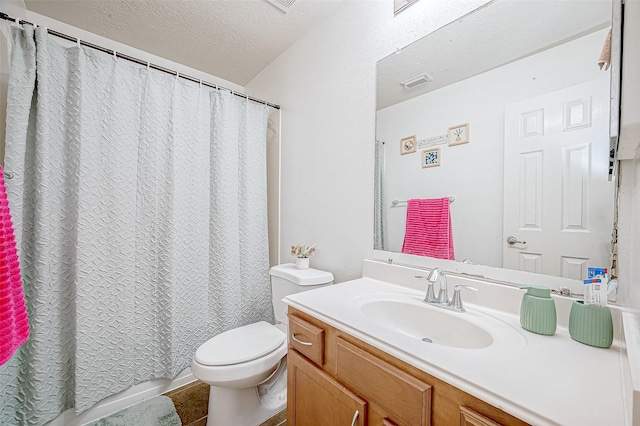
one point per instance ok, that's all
(591, 325)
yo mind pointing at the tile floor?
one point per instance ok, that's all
(192, 401)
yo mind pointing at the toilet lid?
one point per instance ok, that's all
(241, 344)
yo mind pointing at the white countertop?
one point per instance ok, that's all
(543, 380)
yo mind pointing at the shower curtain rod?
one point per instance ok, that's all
(139, 61)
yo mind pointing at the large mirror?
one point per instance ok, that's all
(506, 113)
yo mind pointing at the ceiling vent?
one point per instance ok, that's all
(416, 81)
(283, 5)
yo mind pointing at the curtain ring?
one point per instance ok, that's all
(17, 21)
(200, 84)
(115, 55)
(177, 75)
(78, 41)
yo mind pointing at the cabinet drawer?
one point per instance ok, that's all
(469, 417)
(405, 397)
(307, 339)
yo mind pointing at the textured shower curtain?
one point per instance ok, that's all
(139, 202)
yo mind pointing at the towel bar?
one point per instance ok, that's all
(395, 203)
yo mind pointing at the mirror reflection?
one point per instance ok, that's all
(505, 112)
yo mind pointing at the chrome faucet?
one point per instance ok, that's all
(442, 300)
(443, 295)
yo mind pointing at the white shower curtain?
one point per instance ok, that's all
(139, 202)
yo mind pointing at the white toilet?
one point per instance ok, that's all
(246, 366)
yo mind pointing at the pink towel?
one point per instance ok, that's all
(429, 229)
(14, 324)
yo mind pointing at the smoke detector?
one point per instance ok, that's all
(416, 81)
(283, 5)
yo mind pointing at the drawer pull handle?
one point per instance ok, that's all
(293, 336)
(355, 418)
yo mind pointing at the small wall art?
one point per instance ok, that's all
(408, 145)
(431, 157)
(459, 134)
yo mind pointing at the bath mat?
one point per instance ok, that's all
(156, 411)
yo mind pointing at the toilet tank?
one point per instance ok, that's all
(286, 280)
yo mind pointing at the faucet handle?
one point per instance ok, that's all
(431, 295)
(466, 287)
(456, 300)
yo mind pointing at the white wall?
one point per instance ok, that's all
(629, 204)
(629, 207)
(634, 231)
(325, 83)
(273, 185)
(630, 113)
(473, 172)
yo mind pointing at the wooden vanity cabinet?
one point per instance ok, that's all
(332, 374)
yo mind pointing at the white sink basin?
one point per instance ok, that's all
(408, 315)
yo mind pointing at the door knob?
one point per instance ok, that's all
(511, 240)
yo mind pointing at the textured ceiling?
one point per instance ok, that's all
(491, 36)
(232, 39)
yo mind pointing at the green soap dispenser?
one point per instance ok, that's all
(538, 310)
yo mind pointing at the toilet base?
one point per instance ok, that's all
(239, 407)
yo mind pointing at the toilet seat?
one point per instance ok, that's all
(240, 345)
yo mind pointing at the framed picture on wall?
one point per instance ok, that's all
(458, 134)
(431, 157)
(408, 145)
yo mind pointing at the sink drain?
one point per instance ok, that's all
(426, 339)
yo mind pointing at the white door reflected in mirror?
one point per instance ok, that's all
(556, 190)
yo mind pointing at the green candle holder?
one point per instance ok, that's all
(591, 325)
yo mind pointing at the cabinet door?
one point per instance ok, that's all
(314, 398)
(406, 399)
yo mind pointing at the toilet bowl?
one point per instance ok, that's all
(246, 366)
(234, 363)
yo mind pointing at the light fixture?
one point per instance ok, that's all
(283, 5)
(416, 81)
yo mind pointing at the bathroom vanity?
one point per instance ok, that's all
(343, 375)
(368, 351)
